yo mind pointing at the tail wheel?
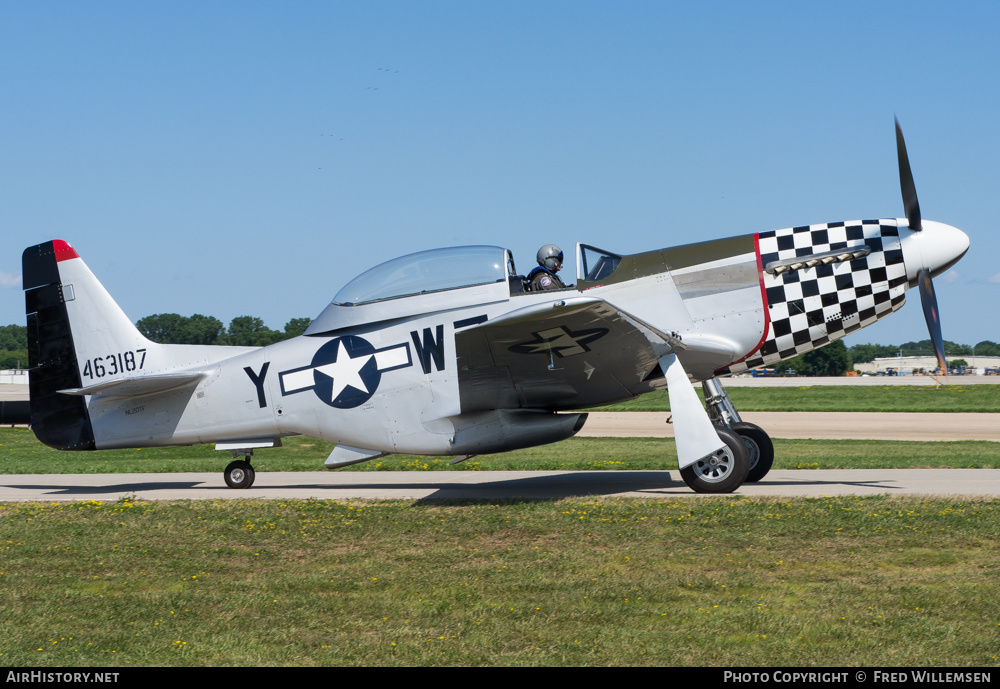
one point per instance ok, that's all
(723, 470)
(760, 450)
(240, 474)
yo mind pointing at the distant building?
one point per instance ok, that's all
(14, 377)
(925, 365)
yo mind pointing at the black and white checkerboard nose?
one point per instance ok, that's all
(812, 305)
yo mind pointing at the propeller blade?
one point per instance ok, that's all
(931, 314)
(910, 203)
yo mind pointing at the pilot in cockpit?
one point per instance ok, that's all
(550, 261)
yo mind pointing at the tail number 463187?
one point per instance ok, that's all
(112, 364)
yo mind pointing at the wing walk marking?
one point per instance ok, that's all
(562, 341)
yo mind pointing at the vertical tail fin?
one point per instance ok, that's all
(76, 333)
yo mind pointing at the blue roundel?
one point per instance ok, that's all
(345, 372)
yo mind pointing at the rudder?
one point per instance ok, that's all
(59, 421)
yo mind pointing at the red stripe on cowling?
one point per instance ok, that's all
(763, 297)
(63, 250)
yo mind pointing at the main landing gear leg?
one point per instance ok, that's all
(239, 473)
(712, 459)
(760, 449)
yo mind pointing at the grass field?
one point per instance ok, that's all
(853, 581)
(21, 453)
(867, 581)
(835, 398)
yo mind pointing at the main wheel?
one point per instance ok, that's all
(239, 474)
(722, 471)
(760, 450)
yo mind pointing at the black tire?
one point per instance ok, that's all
(240, 474)
(721, 472)
(760, 450)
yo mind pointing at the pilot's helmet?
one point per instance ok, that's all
(550, 257)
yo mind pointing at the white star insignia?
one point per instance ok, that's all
(345, 372)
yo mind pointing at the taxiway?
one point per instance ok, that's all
(491, 485)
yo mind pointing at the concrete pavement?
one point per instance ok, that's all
(839, 425)
(491, 485)
(555, 484)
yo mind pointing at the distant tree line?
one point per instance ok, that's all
(832, 360)
(249, 331)
(13, 347)
(869, 352)
(243, 331)
(170, 328)
(836, 358)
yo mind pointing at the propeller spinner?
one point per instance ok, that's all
(928, 250)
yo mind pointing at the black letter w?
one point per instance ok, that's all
(430, 348)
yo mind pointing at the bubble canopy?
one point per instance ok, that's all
(425, 272)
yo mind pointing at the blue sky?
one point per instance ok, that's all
(232, 158)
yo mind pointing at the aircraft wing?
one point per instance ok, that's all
(565, 354)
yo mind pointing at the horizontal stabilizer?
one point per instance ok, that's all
(138, 387)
